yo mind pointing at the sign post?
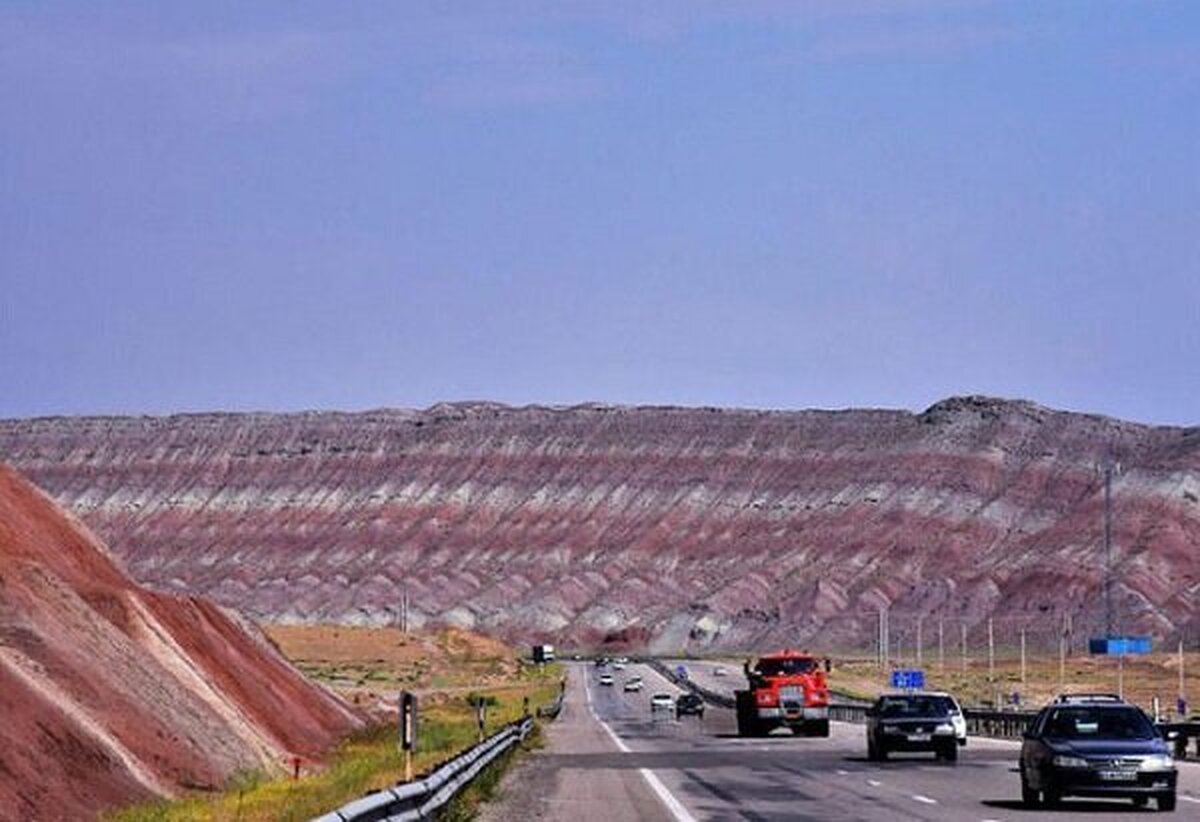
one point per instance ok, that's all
(408, 730)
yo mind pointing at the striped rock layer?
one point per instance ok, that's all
(671, 527)
(110, 693)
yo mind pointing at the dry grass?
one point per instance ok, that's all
(1145, 677)
(368, 665)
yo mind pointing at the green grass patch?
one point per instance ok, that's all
(368, 761)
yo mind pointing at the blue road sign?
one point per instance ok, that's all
(681, 672)
(1119, 645)
(908, 680)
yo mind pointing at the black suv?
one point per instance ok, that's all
(689, 704)
(1096, 747)
(911, 722)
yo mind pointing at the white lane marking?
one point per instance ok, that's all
(842, 772)
(672, 804)
(874, 783)
(926, 799)
(1189, 799)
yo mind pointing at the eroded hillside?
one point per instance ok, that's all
(110, 693)
(672, 526)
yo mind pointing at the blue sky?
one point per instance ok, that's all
(768, 204)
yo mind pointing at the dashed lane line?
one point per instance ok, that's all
(673, 805)
(927, 800)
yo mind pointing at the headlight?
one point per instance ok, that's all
(1158, 762)
(1062, 761)
(944, 728)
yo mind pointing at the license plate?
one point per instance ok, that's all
(919, 737)
(1118, 776)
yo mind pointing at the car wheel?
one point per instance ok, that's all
(1166, 802)
(1051, 798)
(1029, 797)
(949, 753)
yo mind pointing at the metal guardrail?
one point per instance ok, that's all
(552, 710)
(422, 797)
(709, 696)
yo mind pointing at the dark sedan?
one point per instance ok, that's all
(689, 704)
(911, 722)
(1096, 749)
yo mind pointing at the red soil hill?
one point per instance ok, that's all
(110, 693)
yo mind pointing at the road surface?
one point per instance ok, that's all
(609, 758)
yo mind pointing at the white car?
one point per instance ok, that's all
(634, 684)
(606, 679)
(956, 716)
(618, 666)
(718, 672)
(662, 702)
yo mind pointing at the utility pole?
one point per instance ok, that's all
(1182, 691)
(1062, 653)
(920, 654)
(1109, 468)
(963, 627)
(1022, 654)
(941, 645)
(991, 653)
(887, 638)
(881, 643)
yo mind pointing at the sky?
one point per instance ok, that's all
(833, 203)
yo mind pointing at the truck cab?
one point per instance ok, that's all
(786, 689)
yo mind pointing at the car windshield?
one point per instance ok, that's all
(914, 706)
(1083, 722)
(786, 666)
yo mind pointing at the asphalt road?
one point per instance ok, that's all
(660, 768)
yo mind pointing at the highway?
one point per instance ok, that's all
(610, 759)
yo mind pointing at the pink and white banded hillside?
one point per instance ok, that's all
(667, 527)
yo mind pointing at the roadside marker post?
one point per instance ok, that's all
(408, 730)
(481, 715)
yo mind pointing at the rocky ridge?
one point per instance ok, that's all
(672, 527)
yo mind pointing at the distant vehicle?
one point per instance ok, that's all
(787, 689)
(719, 672)
(689, 704)
(606, 679)
(662, 702)
(618, 665)
(912, 722)
(634, 684)
(1096, 747)
(543, 653)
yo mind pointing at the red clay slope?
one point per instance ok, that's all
(110, 693)
(676, 526)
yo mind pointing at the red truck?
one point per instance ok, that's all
(786, 689)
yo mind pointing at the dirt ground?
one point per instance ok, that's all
(369, 666)
(1144, 678)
